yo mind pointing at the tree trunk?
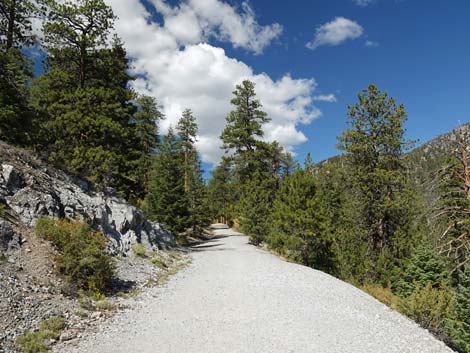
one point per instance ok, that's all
(11, 24)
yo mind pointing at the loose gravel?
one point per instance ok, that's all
(237, 298)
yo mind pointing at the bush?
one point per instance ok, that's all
(138, 249)
(460, 323)
(430, 307)
(82, 257)
(34, 342)
(384, 295)
(425, 266)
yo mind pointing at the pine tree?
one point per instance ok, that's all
(187, 131)
(255, 206)
(381, 202)
(221, 192)
(298, 224)
(244, 129)
(145, 121)
(15, 70)
(83, 100)
(15, 23)
(198, 203)
(460, 324)
(425, 267)
(454, 208)
(166, 201)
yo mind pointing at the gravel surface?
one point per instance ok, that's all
(237, 298)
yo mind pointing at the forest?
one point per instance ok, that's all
(366, 216)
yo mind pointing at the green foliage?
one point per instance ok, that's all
(298, 228)
(255, 206)
(82, 254)
(146, 121)
(15, 115)
(243, 129)
(430, 307)
(167, 201)
(382, 202)
(459, 324)
(425, 267)
(15, 23)
(454, 204)
(34, 342)
(138, 250)
(383, 294)
(221, 192)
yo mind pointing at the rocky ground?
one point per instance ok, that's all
(31, 292)
(235, 297)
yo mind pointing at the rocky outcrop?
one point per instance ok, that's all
(31, 190)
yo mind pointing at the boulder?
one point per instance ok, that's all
(33, 190)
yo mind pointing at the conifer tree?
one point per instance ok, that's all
(145, 121)
(381, 204)
(243, 131)
(187, 131)
(15, 23)
(166, 201)
(255, 205)
(15, 69)
(221, 192)
(298, 224)
(454, 208)
(460, 324)
(83, 100)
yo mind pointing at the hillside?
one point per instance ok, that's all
(31, 289)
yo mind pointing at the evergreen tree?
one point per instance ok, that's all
(187, 131)
(146, 121)
(83, 99)
(15, 69)
(166, 201)
(15, 23)
(255, 206)
(381, 203)
(221, 192)
(198, 203)
(425, 267)
(244, 129)
(460, 324)
(454, 207)
(298, 225)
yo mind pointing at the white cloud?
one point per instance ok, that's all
(194, 21)
(182, 71)
(330, 98)
(371, 44)
(363, 3)
(335, 32)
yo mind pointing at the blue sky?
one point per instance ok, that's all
(421, 58)
(300, 54)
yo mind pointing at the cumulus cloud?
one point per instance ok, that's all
(335, 32)
(175, 63)
(329, 98)
(194, 21)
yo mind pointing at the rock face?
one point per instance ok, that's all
(32, 190)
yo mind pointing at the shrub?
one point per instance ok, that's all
(430, 307)
(384, 295)
(34, 342)
(138, 249)
(158, 261)
(460, 323)
(425, 266)
(82, 257)
(105, 305)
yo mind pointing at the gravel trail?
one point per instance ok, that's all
(237, 298)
